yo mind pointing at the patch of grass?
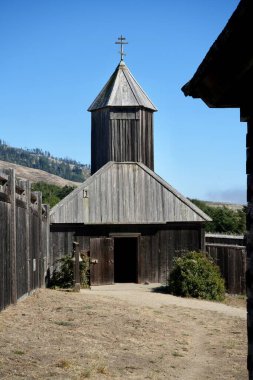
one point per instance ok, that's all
(229, 345)
(236, 300)
(87, 307)
(102, 370)
(63, 323)
(63, 363)
(18, 352)
(86, 374)
(177, 354)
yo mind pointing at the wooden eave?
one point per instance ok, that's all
(225, 76)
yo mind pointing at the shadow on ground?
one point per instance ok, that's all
(161, 289)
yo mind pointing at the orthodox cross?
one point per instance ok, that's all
(121, 42)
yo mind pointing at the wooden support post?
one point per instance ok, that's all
(249, 270)
(40, 258)
(202, 239)
(13, 250)
(47, 239)
(27, 237)
(76, 268)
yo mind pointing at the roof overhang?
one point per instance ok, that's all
(225, 76)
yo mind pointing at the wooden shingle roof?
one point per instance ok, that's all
(125, 193)
(122, 90)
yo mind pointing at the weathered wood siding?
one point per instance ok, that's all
(24, 234)
(121, 135)
(231, 260)
(158, 244)
(225, 239)
(229, 253)
(125, 193)
(61, 244)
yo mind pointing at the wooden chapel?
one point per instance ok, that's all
(129, 219)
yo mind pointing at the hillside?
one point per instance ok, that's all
(231, 206)
(227, 218)
(36, 175)
(37, 159)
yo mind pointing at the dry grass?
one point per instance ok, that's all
(58, 335)
(236, 300)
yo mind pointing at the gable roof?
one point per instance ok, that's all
(125, 193)
(122, 90)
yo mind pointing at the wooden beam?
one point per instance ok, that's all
(249, 269)
(13, 248)
(27, 237)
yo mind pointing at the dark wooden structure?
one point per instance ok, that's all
(229, 253)
(24, 239)
(129, 219)
(224, 79)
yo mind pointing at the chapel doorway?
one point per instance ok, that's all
(125, 259)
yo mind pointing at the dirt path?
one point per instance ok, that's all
(121, 333)
(143, 295)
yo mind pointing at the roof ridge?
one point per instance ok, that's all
(144, 93)
(130, 85)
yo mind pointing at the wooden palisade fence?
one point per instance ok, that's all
(229, 253)
(24, 238)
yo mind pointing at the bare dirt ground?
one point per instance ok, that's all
(121, 332)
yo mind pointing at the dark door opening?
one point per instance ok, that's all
(125, 259)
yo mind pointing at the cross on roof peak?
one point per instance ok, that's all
(121, 41)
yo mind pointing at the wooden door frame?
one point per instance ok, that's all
(136, 235)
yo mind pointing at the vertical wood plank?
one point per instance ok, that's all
(13, 248)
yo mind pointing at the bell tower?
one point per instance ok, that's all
(122, 121)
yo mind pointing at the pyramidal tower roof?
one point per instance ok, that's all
(122, 90)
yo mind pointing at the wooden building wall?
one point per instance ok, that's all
(121, 135)
(158, 244)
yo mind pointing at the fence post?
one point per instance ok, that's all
(40, 271)
(202, 239)
(47, 208)
(27, 235)
(76, 268)
(13, 241)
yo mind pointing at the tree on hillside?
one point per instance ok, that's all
(224, 219)
(38, 159)
(52, 194)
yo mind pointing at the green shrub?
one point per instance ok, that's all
(195, 275)
(63, 275)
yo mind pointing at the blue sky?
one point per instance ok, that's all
(57, 54)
